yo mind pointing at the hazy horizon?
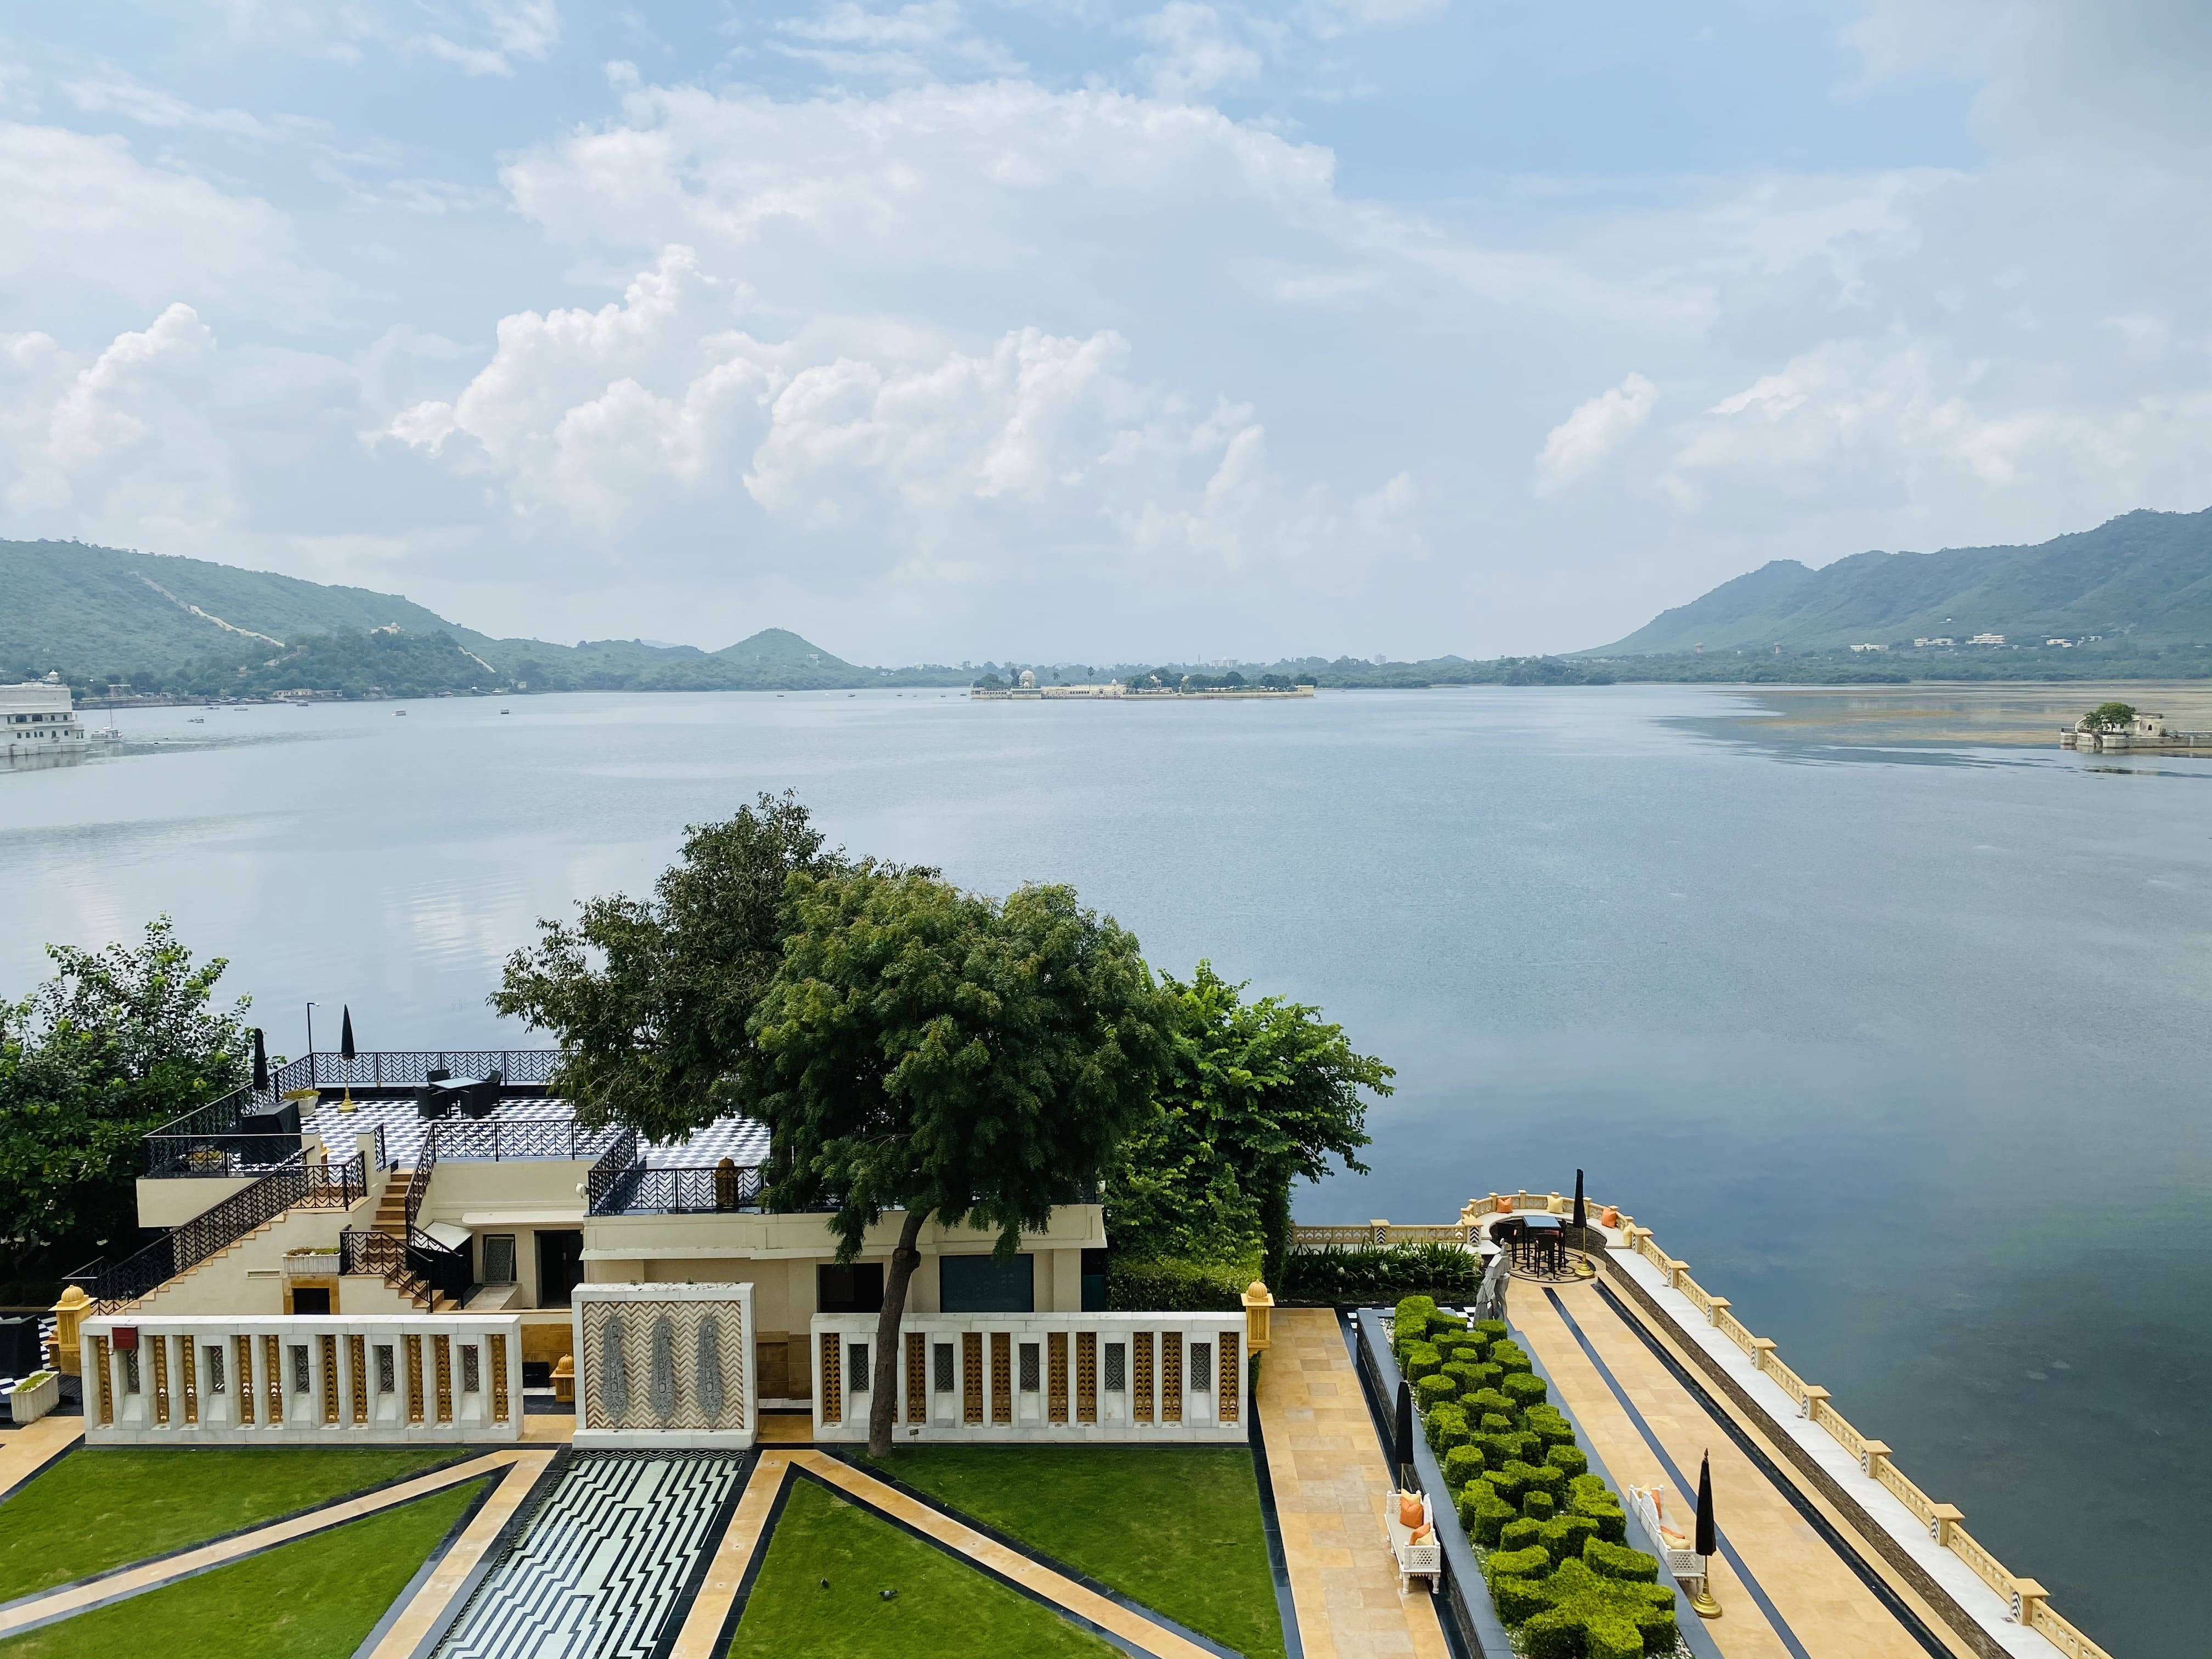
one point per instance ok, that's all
(1398, 327)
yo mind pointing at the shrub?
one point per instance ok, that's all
(1574, 1612)
(1506, 1355)
(1523, 1388)
(1510, 1481)
(1490, 1399)
(1446, 1429)
(1573, 1459)
(1605, 1510)
(1548, 1478)
(1447, 1324)
(1490, 1330)
(1522, 1534)
(1496, 1423)
(1173, 1285)
(1564, 1535)
(1421, 1360)
(1463, 1376)
(1487, 1374)
(1528, 1563)
(1618, 1561)
(1553, 1633)
(1516, 1599)
(1548, 1426)
(1538, 1504)
(1434, 1390)
(1484, 1513)
(1338, 1276)
(1461, 1465)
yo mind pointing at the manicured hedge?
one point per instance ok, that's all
(1336, 1275)
(1558, 1564)
(1171, 1285)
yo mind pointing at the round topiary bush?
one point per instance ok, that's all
(1538, 1504)
(1573, 1459)
(1461, 1465)
(1524, 1389)
(1434, 1390)
(1421, 1360)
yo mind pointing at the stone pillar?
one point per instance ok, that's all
(1762, 1348)
(1946, 1515)
(1720, 1304)
(1873, 1454)
(1809, 1407)
(68, 1314)
(2026, 1596)
(1378, 1233)
(1258, 1305)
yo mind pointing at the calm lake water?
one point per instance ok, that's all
(1903, 1049)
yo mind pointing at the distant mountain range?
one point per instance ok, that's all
(101, 614)
(2144, 577)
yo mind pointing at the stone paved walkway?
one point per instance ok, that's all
(24, 1452)
(1822, 1609)
(1331, 1481)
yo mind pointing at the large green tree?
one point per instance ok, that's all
(115, 1043)
(940, 1053)
(650, 1000)
(1261, 1095)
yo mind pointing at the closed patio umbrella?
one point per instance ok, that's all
(1582, 1216)
(1403, 1434)
(345, 1035)
(260, 1063)
(1707, 1541)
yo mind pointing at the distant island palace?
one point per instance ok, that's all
(1027, 689)
(38, 719)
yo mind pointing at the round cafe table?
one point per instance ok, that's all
(1545, 1242)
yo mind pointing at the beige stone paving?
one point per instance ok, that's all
(547, 1428)
(1826, 1605)
(152, 1575)
(430, 1603)
(1331, 1482)
(24, 1452)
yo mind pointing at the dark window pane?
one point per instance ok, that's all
(857, 1288)
(980, 1283)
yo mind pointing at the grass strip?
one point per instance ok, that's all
(943, 1604)
(317, 1598)
(107, 1506)
(1175, 1528)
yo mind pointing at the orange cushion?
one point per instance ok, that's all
(1422, 1534)
(1410, 1512)
(1673, 1539)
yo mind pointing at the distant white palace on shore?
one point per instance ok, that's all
(1026, 688)
(38, 719)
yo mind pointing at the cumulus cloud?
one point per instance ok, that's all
(1193, 50)
(1592, 431)
(912, 43)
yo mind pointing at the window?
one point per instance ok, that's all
(1117, 1367)
(1029, 1383)
(299, 1368)
(130, 1370)
(856, 1368)
(1201, 1368)
(214, 1352)
(499, 1258)
(472, 1368)
(982, 1284)
(386, 1382)
(857, 1287)
(940, 1364)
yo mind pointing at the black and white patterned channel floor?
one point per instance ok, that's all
(599, 1572)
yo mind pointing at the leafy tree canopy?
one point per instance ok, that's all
(117, 1042)
(2108, 716)
(942, 1054)
(650, 1000)
(1261, 1094)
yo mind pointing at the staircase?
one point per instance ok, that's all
(394, 1209)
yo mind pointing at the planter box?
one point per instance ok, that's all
(32, 1400)
(312, 1264)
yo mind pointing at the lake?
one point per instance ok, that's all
(1901, 1043)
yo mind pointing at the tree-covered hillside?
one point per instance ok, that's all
(2144, 577)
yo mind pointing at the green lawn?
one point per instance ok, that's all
(1175, 1528)
(315, 1599)
(106, 1507)
(942, 1606)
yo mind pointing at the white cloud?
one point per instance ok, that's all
(82, 212)
(913, 42)
(1592, 431)
(1195, 51)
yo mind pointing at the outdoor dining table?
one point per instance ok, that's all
(1544, 1238)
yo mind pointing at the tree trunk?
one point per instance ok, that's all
(883, 1396)
(1275, 1233)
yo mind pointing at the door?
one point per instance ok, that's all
(560, 1267)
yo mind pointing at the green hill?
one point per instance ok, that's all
(98, 614)
(2144, 577)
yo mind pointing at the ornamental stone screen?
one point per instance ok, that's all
(664, 1365)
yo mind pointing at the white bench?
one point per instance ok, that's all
(1650, 1503)
(1422, 1560)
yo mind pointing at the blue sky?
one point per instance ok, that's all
(1091, 331)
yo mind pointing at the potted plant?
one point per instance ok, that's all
(34, 1396)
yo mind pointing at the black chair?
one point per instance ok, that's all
(1511, 1235)
(478, 1100)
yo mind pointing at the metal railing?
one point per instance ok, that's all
(697, 1190)
(444, 1270)
(621, 1153)
(218, 1155)
(333, 1185)
(540, 1138)
(189, 1144)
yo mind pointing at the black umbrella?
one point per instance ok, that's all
(345, 1036)
(1582, 1216)
(1705, 1543)
(1403, 1435)
(260, 1062)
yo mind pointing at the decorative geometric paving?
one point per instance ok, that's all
(597, 1574)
